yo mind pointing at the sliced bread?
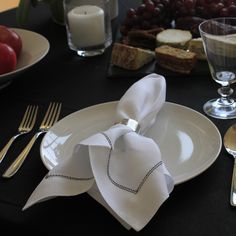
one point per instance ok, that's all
(175, 59)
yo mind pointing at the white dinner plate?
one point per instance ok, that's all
(34, 48)
(189, 141)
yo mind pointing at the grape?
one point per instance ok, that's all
(161, 6)
(232, 10)
(224, 12)
(141, 9)
(179, 4)
(150, 6)
(216, 7)
(189, 4)
(130, 13)
(156, 12)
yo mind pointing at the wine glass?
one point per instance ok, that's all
(219, 41)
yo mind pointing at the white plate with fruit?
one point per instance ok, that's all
(19, 50)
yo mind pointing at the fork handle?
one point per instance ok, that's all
(17, 163)
(5, 149)
(233, 186)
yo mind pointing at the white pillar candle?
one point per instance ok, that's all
(87, 25)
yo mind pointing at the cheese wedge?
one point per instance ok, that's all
(129, 57)
(196, 46)
(174, 37)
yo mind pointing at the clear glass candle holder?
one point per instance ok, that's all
(114, 9)
(88, 25)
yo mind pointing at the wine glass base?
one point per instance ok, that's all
(220, 110)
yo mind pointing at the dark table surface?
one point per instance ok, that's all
(199, 206)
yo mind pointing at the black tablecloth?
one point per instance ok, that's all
(197, 207)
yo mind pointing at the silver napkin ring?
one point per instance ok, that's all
(133, 124)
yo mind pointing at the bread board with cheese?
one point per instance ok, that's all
(200, 69)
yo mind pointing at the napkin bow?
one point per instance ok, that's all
(120, 168)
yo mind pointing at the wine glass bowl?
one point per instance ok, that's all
(219, 41)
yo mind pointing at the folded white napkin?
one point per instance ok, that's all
(120, 168)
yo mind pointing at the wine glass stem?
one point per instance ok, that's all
(225, 93)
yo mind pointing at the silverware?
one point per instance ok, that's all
(25, 127)
(230, 146)
(49, 119)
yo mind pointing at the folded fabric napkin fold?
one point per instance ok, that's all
(120, 167)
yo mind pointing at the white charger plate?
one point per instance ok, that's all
(34, 48)
(189, 141)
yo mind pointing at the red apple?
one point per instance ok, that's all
(7, 58)
(11, 38)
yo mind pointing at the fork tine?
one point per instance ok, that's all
(58, 113)
(55, 115)
(32, 119)
(51, 115)
(46, 115)
(25, 117)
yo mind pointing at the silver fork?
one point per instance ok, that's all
(49, 119)
(25, 126)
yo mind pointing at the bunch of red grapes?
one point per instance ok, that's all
(203, 8)
(160, 13)
(150, 14)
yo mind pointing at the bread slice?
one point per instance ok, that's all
(196, 46)
(129, 57)
(175, 59)
(174, 37)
